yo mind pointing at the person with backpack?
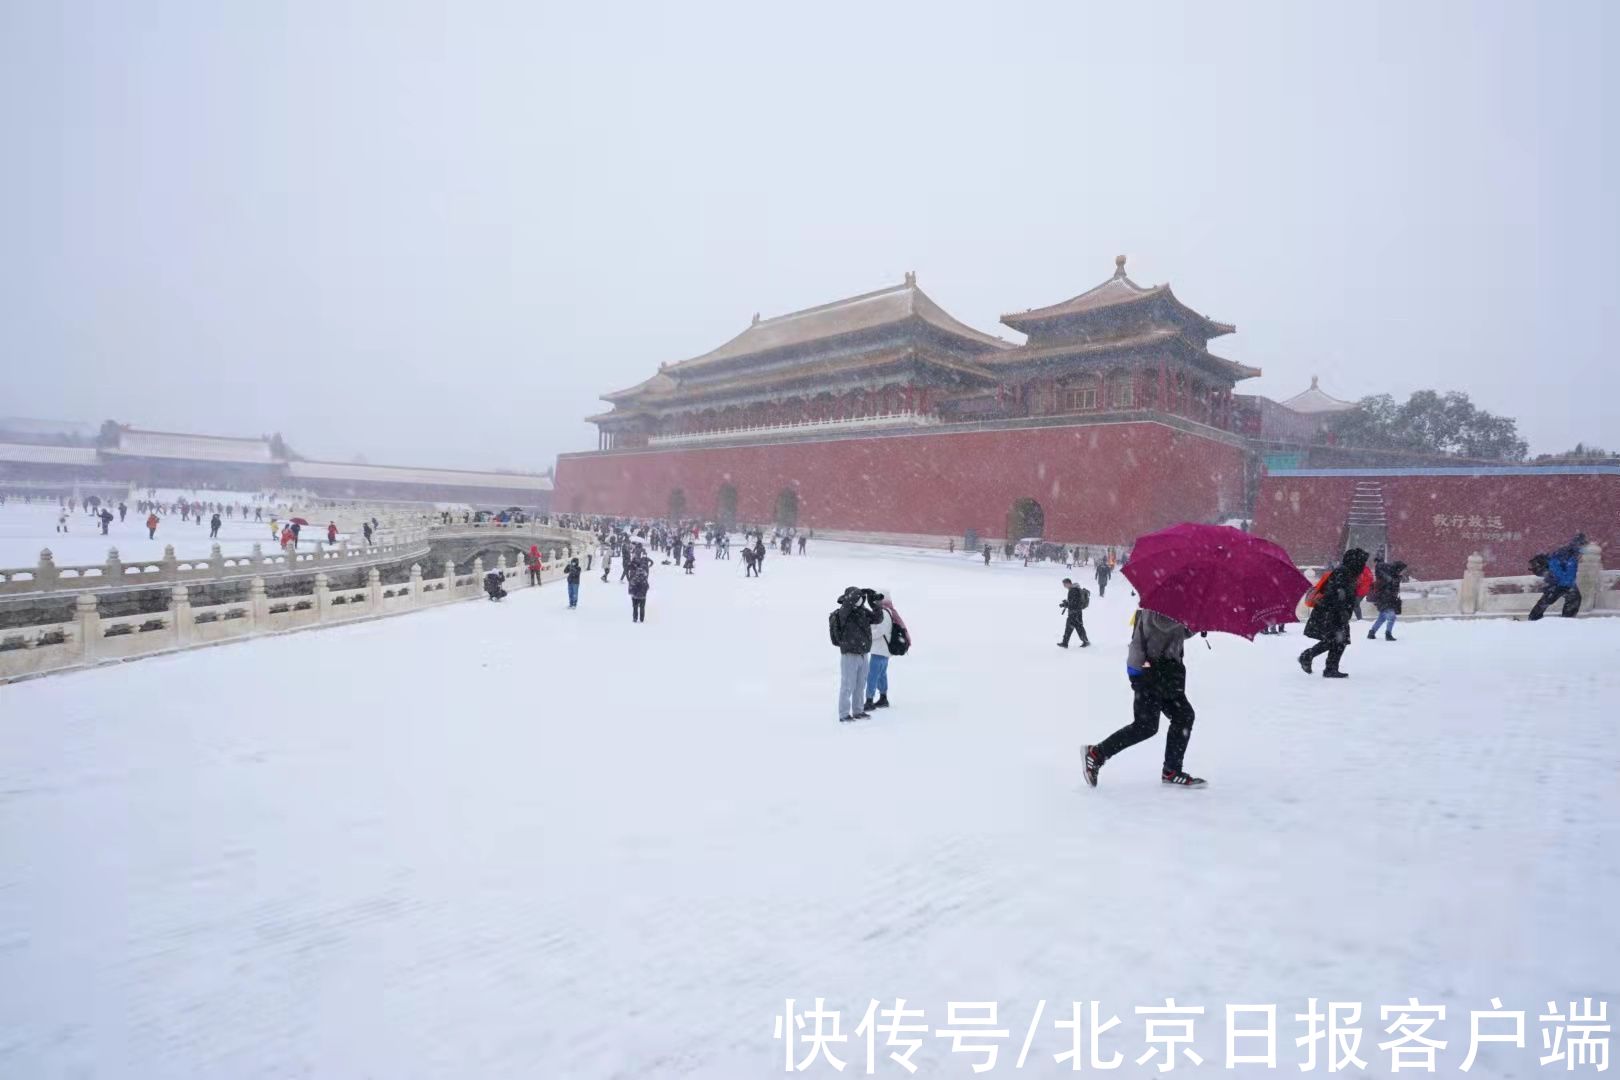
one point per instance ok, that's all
(533, 563)
(850, 627)
(151, 526)
(889, 638)
(1074, 603)
(1558, 570)
(639, 571)
(1332, 603)
(571, 571)
(1156, 666)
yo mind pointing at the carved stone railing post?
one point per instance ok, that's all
(46, 573)
(416, 584)
(257, 555)
(113, 572)
(322, 605)
(478, 572)
(216, 560)
(259, 604)
(1589, 577)
(89, 620)
(170, 564)
(180, 615)
(1471, 595)
(374, 589)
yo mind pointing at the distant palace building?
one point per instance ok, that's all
(884, 414)
(140, 459)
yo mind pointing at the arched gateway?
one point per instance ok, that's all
(725, 505)
(787, 508)
(1026, 519)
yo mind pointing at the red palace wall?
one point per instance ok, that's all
(1436, 520)
(1097, 483)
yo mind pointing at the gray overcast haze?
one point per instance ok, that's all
(436, 233)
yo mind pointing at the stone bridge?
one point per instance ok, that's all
(461, 544)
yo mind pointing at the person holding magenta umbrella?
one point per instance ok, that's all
(1191, 579)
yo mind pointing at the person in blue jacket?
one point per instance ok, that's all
(1559, 574)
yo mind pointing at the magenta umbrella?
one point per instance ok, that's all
(1215, 577)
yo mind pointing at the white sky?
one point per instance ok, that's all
(435, 233)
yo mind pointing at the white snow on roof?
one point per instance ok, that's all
(164, 444)
(48, 455)
(1315, 401)
(397, 474)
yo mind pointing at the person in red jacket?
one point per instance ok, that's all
(151, 526)
(331, 532)
(534, 563)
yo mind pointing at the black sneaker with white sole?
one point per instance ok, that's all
(1181, 779)
(1093, 764)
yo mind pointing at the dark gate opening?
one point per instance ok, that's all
(725, 511)
(1026, 519)
(787, 509)
(677, 504)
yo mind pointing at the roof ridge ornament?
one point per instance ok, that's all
(911, 278)
(1119, 266)
(1313, 383)
(756, 318)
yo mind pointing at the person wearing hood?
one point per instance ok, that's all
(1157, 669)
(638, 569)
(850, 627)
(1558, 570)
(571, 571)
(534, 564)
(1333, 604)
(1386, 596)
(883, 638)
(494, 585)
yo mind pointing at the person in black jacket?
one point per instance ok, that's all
(850, 627)
(571, 571)
(1103, 573)
(639, 571)
(1386, 596)
(1330, 617)
(1074, 604)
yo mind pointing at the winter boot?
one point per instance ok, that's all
(1062, 645)
(882, 701)
(1335, 673)
(1181, 779)
(1093, 764)
(868, 706)
(862, 715)
(845, 719)
(1388, 636)
(1371, 634)
(1305, 661)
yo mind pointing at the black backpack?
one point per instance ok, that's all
(899, 641)
(833, 625)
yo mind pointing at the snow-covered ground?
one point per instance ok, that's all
(517, 841)
(26, 528)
